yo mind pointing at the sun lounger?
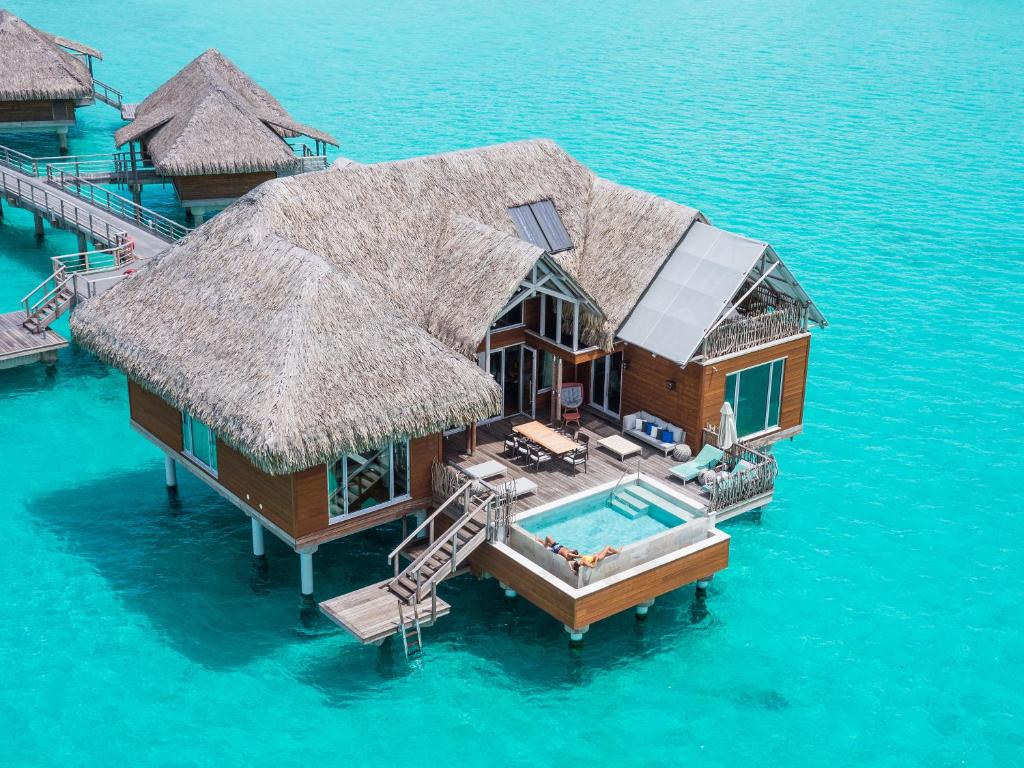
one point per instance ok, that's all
(516, 488)
(708, 457)
(486, 469)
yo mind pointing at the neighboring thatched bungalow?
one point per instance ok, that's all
(217, 134)
(304, 351)
(43, 78)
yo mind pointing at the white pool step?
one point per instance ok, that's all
(659, 501)
(624, 509)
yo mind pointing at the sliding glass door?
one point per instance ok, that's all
(606, 383)
(756, 397)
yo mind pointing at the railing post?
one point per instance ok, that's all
(455, 549)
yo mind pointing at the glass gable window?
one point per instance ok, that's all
(513, 317)
(558, 321)
(361, 481)
(200, 442)
(756, 397)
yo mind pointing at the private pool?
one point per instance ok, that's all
(618, 516)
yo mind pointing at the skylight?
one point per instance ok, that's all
(538, 223)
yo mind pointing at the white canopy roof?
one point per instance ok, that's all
(695, 286)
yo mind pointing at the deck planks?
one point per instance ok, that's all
(16, 341)
(555, 479)
(370, 614)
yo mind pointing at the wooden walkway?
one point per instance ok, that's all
(370, 614)
(19, 346)
(555, 479)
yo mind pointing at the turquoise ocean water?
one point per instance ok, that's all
(873, 616)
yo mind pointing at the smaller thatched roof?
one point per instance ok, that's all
(212, 118)
(34, 64)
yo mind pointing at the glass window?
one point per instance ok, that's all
(513, 317)
(547, 361)
(756, 396)
(360, 481)
(199, 441)
(550, 329)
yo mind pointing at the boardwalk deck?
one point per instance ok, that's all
(69, 211)
(370, 614)
(19, 346)
(555, 480)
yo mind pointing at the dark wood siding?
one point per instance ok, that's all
(44, 111)
(423, 452)
(218, 186)
(309, 494)
(645, 387)
(154, 415)
(270, 495)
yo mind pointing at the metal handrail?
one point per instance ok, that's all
(55, 206)
(159, 225)
(107, 90)
(58, 286)
(415, 565)
(430, 521)
(84, 263)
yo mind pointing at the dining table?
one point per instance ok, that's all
(547, 438)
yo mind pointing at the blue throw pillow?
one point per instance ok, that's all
(666, 436)
(649, 428)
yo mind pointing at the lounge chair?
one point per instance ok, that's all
(515, 488)
(708, 457)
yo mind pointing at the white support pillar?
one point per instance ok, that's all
(37, 220)
(509, 592)
(258, 547)
(197, 216)
(703, 584)
(306, 569)
(83, 242)
(62, 140)
(170, 472)
(641, 610)
(576, 635)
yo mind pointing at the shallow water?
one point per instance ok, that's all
(871, 616)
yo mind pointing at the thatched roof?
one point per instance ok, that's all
(212, 118)
(330, 311)
(34, 64)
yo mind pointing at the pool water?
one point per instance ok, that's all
(593, 522)
(864, 618)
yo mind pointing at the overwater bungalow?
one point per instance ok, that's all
(511, 350)
(44, 78)
(216, 134)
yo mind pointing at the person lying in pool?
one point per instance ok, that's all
(591, 560)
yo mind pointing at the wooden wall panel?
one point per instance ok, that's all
(270, 495)
(504, 338)
(531, 314)
(623, 595)
(309, 500)
(644, 386)
(154, 415)
(218, 186)
(532, 587)
(423, 452)
(35, 111)
(794, 380)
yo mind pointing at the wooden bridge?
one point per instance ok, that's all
(121, 230)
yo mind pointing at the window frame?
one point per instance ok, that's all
(768, 396)
(187, 444)
(342, 487)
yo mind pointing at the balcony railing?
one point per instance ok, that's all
(749, 331)
(734, 487)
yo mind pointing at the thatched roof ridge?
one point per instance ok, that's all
(33, 64)
(393, 270)
(212, 118)
(291, 359)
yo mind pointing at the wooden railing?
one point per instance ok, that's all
(107, 94)
(96, 195)
(53, 206)
(750, 331)
(736, 487)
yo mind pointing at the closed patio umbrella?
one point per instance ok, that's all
(726, 427)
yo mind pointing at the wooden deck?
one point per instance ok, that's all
(555, 480)
(19, 346)
(370, 614)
